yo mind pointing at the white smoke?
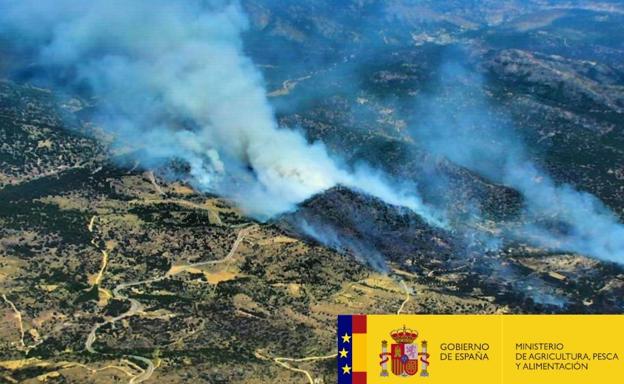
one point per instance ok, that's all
(461, 126)
(173, 82)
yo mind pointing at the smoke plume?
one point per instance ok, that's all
(459, 124)
(172, 82)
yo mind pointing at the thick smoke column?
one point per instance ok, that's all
(173, 82)
(458, 123)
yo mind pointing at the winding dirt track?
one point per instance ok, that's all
(18, 316)
(137, 307)
(239, 239)
(407, 297)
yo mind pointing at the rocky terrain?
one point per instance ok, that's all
(85, 241)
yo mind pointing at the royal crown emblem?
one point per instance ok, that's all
(404, 335)
(404, 355)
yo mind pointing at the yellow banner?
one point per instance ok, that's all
(506, 349)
